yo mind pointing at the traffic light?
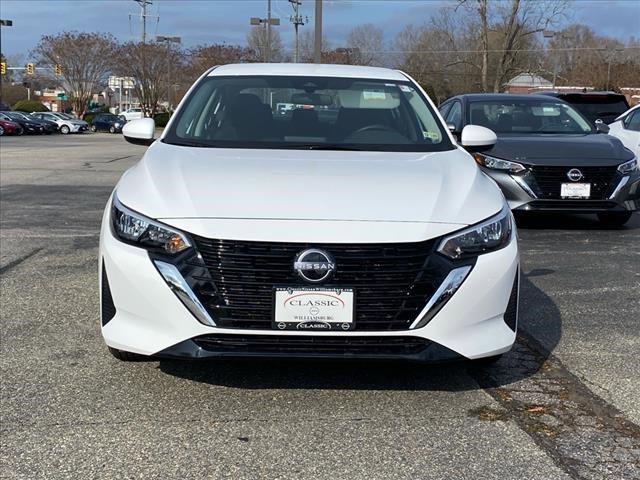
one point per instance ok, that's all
(30, 69)
(3, 68)
(57, 69)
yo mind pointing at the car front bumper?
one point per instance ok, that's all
(622, 195)
(149, 319)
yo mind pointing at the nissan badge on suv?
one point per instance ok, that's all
(355, 226)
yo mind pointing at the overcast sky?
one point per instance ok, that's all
(210, 21)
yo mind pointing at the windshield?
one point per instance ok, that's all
(599, 107)
(17, 116)
(528, 117)
(307, 113)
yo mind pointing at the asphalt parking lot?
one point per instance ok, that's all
(564, 404)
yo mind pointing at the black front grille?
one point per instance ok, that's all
(545, 181)
(304, 344)
(392, 282)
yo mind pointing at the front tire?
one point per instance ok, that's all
(1, 131)
(112, 129)
(94, 129)
(614, 219)
(127, 356)
(64, 129)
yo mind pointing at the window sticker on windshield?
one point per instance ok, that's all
(431, 135)
(406, 88)
(374, 95)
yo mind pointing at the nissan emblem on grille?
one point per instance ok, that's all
(314, 265)
(574, 175)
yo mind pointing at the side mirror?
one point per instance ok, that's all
(475, 137)
(140, 132)
(602, 127)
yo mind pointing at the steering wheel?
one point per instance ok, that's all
(367, 128)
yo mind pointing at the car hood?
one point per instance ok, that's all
(173, 182)
(577, 150)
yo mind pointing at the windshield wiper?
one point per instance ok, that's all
(318, 146)
(187, 143)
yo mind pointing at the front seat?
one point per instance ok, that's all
(251, 119)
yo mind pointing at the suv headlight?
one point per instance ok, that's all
(498, 164)
(138, 230)
(629, 167)
(490, 235)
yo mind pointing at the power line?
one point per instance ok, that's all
(571, 49)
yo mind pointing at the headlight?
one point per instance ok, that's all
(498, 164)
(492, 234)
(629, 167)
(133, 228)
(117, 125)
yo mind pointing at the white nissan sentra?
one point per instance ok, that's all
(350, 225)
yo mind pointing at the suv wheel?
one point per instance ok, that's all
(64, 129)
(614, 219)
(112, 129)
(127, 356)
(94, 129)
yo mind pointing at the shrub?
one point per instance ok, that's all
(88, 117)
(162, 119)
(29, 106)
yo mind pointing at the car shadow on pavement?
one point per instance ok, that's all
(536, 308)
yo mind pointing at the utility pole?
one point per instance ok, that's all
(4, 23)
(268, 31)
(317, 50)
(297, 21)
(143, 16)
(168, 41)
(267, 22)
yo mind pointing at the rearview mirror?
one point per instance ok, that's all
(311, 99)
(601, 126)
(140, 132)
(476, 137)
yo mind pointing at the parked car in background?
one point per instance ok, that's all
(604, 106)
(132, 114)
(9, 127)
(29, 125)
(66, 123)
(49, 126)
(549, 157)
(627, 128)
(107, 122)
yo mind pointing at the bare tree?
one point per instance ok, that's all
(257, 41)
(366, 43)
(306, 44)
(85, 58)
(506, 28)
(148, 64)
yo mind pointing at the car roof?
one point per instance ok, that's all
(579, 94)
(309, 69)
(473, 97)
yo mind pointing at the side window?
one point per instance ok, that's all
(444, 109)
(632, 122)
(454, 116)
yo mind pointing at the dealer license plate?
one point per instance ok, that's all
(313, 309)
(575, 190)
